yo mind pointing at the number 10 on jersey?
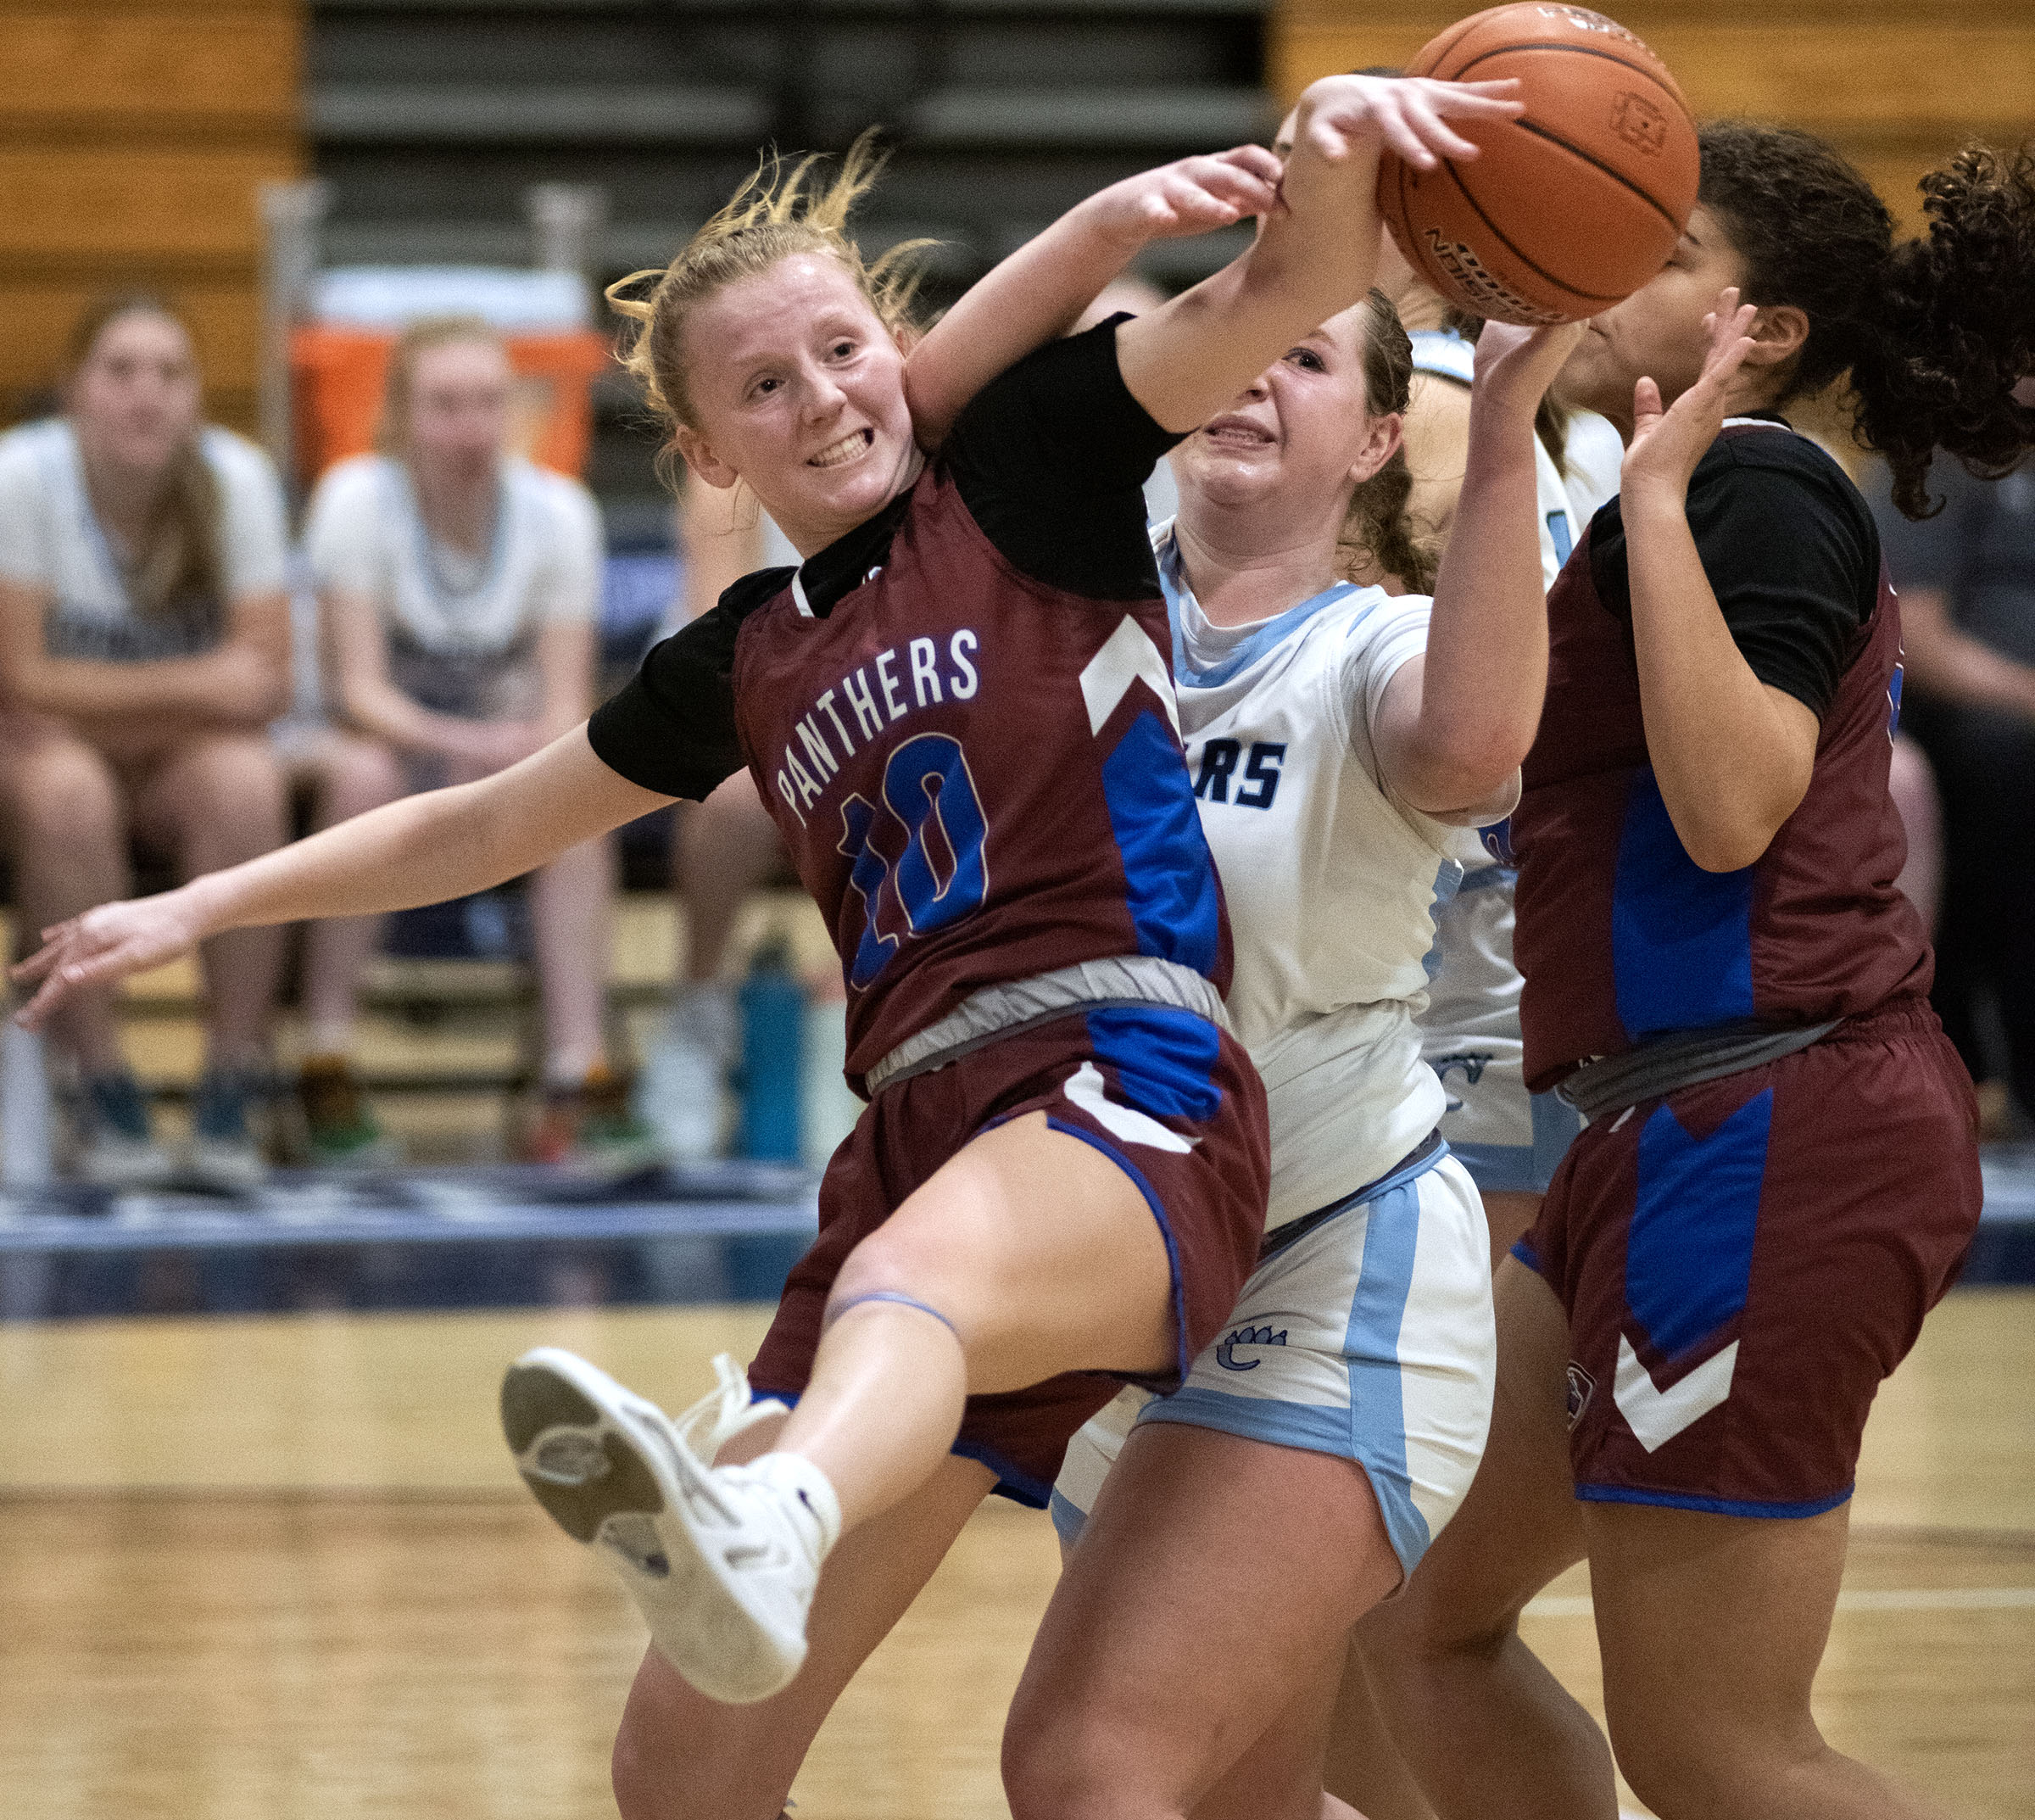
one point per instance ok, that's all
(918, 858)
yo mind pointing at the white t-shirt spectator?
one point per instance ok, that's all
(462, 629)
(50, 538)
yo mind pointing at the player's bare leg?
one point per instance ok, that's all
(1711, 1629)
(1510, 1213)
(1027, 1253)
(1365, 1769)
(680, 1756)
(1239, 1566)
(1483, 1726)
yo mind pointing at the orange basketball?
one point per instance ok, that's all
(1572, 206)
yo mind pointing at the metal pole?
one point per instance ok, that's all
(292, 215)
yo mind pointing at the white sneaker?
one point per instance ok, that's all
(722, 1561)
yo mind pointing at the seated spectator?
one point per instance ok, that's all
(458, 586)
(144, 637)
(1967, 584)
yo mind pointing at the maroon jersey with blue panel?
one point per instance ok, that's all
(1742, 1254)
(961, 715)
(1621, 936)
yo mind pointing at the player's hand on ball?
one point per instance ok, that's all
(1516, 363)
(105, 945)
(1668, 442)
(1190, 196)
(1342, 115)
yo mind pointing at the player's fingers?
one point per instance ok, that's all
(1244, 189)
(1328, 142)
(1400, 135)
(1435, 133)
(37, 964)
(1646, 403)
(1258, 161)
(1493, 100)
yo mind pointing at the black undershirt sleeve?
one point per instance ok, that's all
(672, 728)
(1790, 550)
(1050, 458)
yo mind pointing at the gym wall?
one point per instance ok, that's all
(1897, 85)
(133, 134)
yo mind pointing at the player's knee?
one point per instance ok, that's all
(237, 787)
(1424, 1626)
(1686, 1768)
(1063, 1766)
(897, 1265)
(63, 790)
(359, 775)
(640, 1772)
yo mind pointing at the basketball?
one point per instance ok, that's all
(1571, 207)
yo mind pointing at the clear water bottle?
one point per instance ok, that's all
(27, 1114)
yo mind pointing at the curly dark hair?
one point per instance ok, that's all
(1935, 332)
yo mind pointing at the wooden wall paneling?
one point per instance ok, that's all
(38, 314)
(218, 72)
(1898, 88)
(189, 209)
(134, 135)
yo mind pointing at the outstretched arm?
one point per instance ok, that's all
(422, 850)
(1317, 251)
(1455, 725)
(1040, 291)
(1732, 755)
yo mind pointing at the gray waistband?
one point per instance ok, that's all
(1002, 1010)
(1666, 1065)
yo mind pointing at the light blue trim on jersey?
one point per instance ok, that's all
(1444, 353)
(1371, 1430)
(1266, 637)
(1069, 1520)
(1449, 885)
(1484, 877)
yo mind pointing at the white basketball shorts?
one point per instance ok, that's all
(1370, 1338)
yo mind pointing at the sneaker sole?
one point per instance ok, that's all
(566, 1423)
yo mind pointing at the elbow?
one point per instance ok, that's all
(1728, 843)
(1465, 776)
(1713, 851)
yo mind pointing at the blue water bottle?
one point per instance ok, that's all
(773, 1019)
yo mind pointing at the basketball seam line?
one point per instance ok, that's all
(1611, 171)
(1581, 50)
(1533, 266)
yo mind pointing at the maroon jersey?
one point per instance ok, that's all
(1621, 936)
(961, 714)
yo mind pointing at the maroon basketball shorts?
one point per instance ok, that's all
(1743, 1261)
(1167, 1097)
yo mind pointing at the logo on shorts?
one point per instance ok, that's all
(1472, 1067)
(1226, 1354)
(1581, 1387)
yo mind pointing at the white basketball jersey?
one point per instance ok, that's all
(1330, 883)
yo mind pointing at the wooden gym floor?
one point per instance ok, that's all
(254, 1569)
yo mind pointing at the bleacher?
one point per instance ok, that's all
(1003, 113)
